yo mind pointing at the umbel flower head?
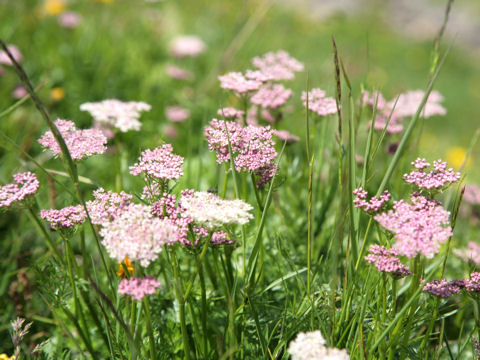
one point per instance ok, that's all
(64, 218)
(187, 46)
(319, 103)
(311, 346)
(437, 178)
(271, 96)
(278, 65)
(252, 147)
(238, 83)
(137, 234)
(137, 288)
(80, 143)
(387, 261)
(117, 114)
(160, 163)
(107, 205)
(211, 211)
(443, 288)
(418, 227)
(24, 185)
(374, 205)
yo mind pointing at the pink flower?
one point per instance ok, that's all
(470, 254)
(238, 83)
(118, 114)
(419, 227)
(409, 102)
(107, 205)
(271, 96)
(472, 194)
(64, 218)
(386, 260)
(187, 46)
(319, 103)
(438, 178)
(137, 234)
(252, 147)
(473, 284)
(80, 143)
(178, 73)
(138, 287)
(284, 135)
(443, 288)
(17, 55)
(230, 113)
(24, 185)
(278, 65)
(19, 92)
(160, 163)
(374, 205)
(69, 19)
(177, 113)
(375, 97)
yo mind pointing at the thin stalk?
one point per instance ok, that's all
(309, 229)
(203, 313)
(146, 307)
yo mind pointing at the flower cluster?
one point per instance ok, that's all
(438, 178)
(80, 143)
(117, 114)
(443, 288)
(319, 103)
(284, 135)
(107, 205)
(472, 284)
(271, 96)
(17, 55)
(24, 185)
(137, 234)
(278, 65)
(419, 227)
(138, 287)
(230, 113)
(178, 73)
(67, 217)
(374, 205)
(472, 194)
(160, 163)
(238, 83)
(177, 113)
(311, 346)
(187, 46)
(212, 212)
(387, 261)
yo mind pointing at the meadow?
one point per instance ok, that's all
(234, 180)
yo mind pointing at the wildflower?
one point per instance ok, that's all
(57, 94)
(473, 284)
(284, 135)
(374, 205)
(19, 92)
(311, 346)
(252, 147)
(17, 55)
(138, 287)
(394, 125)
(278, 65)
(170, 131)
(6, 357)
(211, 211)
(80, 143)
(472, 194)
(258, 75)
(387, 261)
(319, 103)
(443, 288)
(409, 102)
(178, 73)
(159, 163)
(121, 268)
(438, 178)
(230, 113)
(418, 227)
(25, 185)
(54, 7)
(137, 234)
(271, 96)
(476, 344)
(238, 83)
(470, 254)
(268, 116)
(375, 98)
(117, 114)
(67, 217)
(177, 113)
(457, 155)
(187, 46)
(69, 19)
(107, 205)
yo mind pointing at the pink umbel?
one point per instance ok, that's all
(387, 261)
(252, 147)
(284, 135)
(187, 46)
(17, 55)
(177, 113)
(178, 73)
(238, 83)
(160, 163)
(107, 205)
(419, 227)
(117, 114)
(319, 103)
(137, 234)
(138, 287)
(25, 185)
(271, 96)
(230, 113)
(64, 218)
(80, 143)
(443, 288)
(278, 65)
(437, 178)
(472, 284)
(373, 205)
(472, 194)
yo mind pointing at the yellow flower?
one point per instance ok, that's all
(121, 269)
(54, 7)
(456, 156)
(6, 357)
(57, 94)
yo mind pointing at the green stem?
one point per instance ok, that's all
(146, 307)
(204, 305)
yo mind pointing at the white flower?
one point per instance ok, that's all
(311, 346)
